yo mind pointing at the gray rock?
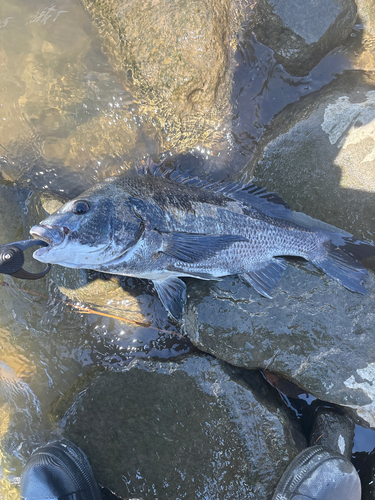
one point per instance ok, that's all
(193, 429)
(302, 33)
(314, 332)
(319, 155)
(333, 430)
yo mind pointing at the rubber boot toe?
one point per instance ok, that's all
(58, 470)
(318, 473)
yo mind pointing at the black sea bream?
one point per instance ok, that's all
(161, 225)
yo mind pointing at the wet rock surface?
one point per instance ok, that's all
(367, 474)
(302, 33)
(319, 155)
(334, 431)
(193, 429)
(313, 332)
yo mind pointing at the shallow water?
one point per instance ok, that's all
(66, 121)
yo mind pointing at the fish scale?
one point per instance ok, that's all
(160, 224)
(258, 249)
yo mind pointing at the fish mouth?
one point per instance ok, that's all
(52, 235)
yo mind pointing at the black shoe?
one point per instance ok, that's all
(318, 473)
(58, 470)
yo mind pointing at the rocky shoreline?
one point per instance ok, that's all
(202, 415)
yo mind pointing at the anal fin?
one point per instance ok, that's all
(343, 268)
(266, 277)
(172, 294)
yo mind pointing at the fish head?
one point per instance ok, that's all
(90, 231)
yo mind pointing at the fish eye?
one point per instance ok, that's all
(80, 207)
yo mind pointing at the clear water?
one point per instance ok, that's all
(66, 121)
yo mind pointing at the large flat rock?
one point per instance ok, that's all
(313, 332)
(319, 154)
(193, 429)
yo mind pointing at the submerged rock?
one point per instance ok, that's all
(302, 33)
(362, 57)
(193, 429)
(44, 96)
(174, 58)
(314, 333)
(366, 11)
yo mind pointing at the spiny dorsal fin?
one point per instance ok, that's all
(261, 192)
(226, 188)
(151, 168)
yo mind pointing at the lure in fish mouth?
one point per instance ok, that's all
(51, 235)
(161, 225)
(58, 241)
(85, 242)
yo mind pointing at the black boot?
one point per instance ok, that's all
(58, 470)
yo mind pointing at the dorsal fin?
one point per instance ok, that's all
(262, 193)
(171, 173)
(151, 168)
(248, 193)
(236, 190)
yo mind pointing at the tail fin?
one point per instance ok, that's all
(357, 249)
(340, 263)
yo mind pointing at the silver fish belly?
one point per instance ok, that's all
(161, 225)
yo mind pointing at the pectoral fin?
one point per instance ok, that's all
(172, 294)
(191, 248)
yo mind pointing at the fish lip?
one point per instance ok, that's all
(52, 235)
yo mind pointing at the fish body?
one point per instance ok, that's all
(161, 225)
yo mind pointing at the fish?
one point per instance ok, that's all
(161, 224)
